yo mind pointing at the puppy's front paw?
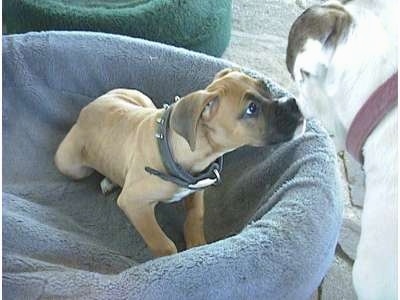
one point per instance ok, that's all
(191, 243)
(107, 186)
(168, 248)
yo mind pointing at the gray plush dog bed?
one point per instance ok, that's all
(272, 225)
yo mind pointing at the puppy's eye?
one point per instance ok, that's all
(252, 109)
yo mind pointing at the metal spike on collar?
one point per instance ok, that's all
(177, 98)
(159, 136)
(160, 121)
(165, 106)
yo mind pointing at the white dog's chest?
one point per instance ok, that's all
(180, 194)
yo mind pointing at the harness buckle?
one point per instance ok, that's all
(206, 182)
(201, 184)
(217, 175)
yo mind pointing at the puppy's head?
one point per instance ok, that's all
(233, 111)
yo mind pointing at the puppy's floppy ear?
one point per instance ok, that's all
(188, 111)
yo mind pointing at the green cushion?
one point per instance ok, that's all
(200, 25)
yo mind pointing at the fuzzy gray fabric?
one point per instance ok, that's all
(272, 225)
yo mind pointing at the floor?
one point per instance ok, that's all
(259, 39)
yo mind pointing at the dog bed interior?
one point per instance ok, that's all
(272, 225)
(203, 26)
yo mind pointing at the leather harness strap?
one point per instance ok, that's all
(176, 173)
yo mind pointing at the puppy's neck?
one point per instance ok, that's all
(193, 161)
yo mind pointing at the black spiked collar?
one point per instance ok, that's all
(176, 173)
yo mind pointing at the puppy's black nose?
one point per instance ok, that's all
(291, 109)
(286, 118)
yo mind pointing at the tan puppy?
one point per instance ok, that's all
(115, 135)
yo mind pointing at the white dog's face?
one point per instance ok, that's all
(315, 94)
(333, 54)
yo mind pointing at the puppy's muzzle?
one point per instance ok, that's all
(288, 121)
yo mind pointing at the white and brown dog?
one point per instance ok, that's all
(343, 57)
(164, 155)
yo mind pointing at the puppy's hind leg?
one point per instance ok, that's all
(68, 158)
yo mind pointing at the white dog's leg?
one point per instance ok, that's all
(107, 185)
(375, 268)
